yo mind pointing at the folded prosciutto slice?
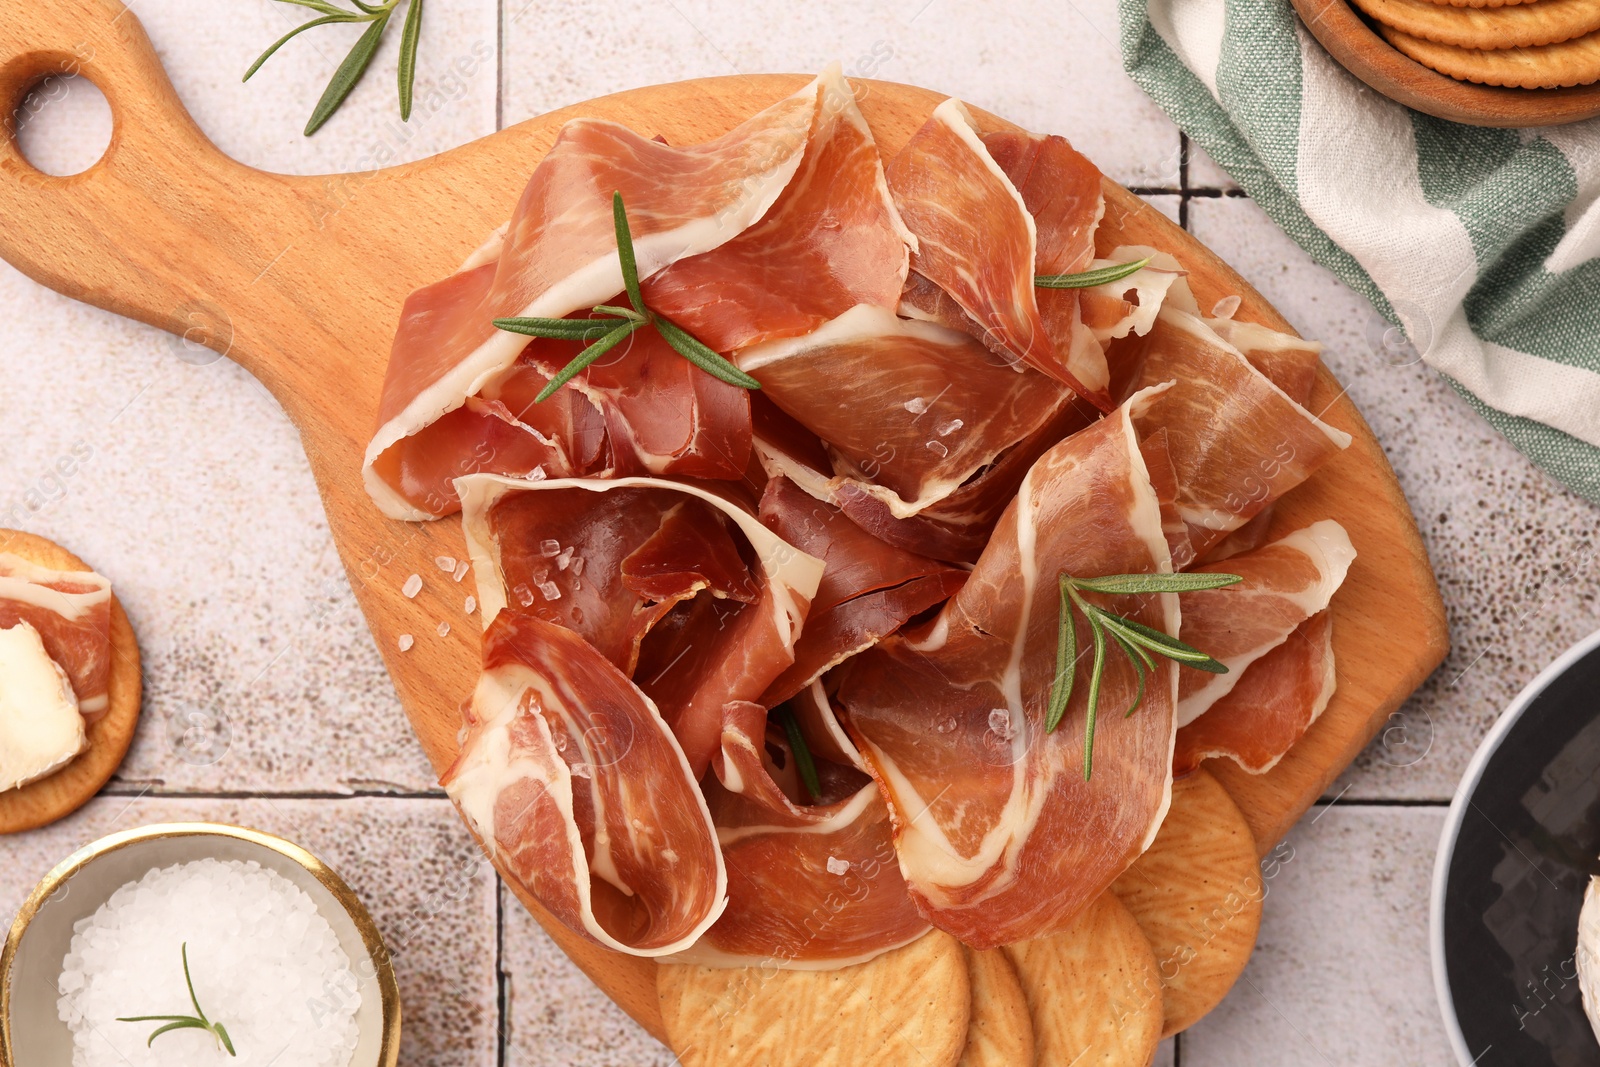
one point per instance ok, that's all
(907, 411)
(1062, 192)
(1271, 706)
(869, 588)
(833, 240)
(559, 255)
(977, 241)
(810, 886)
(679, 588)
(1236, 440)
(71, 610)
(1000, 836)
(1285, 583)
(571, 779)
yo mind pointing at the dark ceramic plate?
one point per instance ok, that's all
(1520, 844)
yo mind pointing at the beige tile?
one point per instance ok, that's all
(189, 490)
(1340, 973)
(1052, 68)
(1517, 554)
(556, 1017)
(1204, 173)
(410, 861)
(1166, 203)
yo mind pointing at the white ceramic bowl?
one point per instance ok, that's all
(31, 1033)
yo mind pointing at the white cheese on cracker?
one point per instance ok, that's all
(41, 729)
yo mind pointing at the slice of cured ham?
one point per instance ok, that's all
(574, 783)
(810, 886)
(559, 255)
(71, 610)
(1237, 442)
(1285, 583)
(1000, 836)
(1062, 193)
(976, 240)
(680, 588)
(1271, 707)
(907, 411)
(833, 240)
(869, 588)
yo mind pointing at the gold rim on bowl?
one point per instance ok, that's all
(371, 939)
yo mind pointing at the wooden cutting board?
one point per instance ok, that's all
(300, 280)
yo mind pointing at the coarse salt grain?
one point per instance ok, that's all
(838, 866)
(412, 587)
(265, 963)
(443, 630)
(1225, 308)
(405, 642)
(461, 570)
(445, 563)
(471, 604)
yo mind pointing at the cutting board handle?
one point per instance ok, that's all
(160, 175)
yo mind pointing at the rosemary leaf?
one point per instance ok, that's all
(1167, 646)
(556, 329)
(407, 73)
(586, 357)
(181, 1024)
(618, 312)
(1090, 278)
(342, 16)
(222, 1034)
(350, 71)
(701, 356)
(1133, 584)
(630, 265)
(1094, 696)
(1066, 662)
(802, 754)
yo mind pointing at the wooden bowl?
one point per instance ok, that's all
(1361, 51)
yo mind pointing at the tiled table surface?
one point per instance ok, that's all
(196, 499)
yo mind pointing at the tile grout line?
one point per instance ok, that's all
(1183, 181)
(501, 982)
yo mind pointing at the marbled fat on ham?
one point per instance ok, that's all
(1000, 835)
(72, 612)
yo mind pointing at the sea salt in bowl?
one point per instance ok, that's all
(32, 1033)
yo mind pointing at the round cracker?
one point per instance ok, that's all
(64, 792)
(1093, 990)
(907, 1006)
(1480, 4)
(1000, 1032)
(1546, 22)
(1196, 893)
(1549, 66)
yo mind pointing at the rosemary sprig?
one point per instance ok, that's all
(612, 324)
(197, 1021)
(802, 754)
(355, 64)
(1135, 640)
(1090, 278)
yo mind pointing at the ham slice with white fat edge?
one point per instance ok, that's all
(559, 256)
(976, 240)
(1236, 440)
(71, 610)
(1000, 835)
(810, 885)
(679, 587)
(1285, 583)
(1270, 708)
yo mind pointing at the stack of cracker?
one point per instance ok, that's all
(1530, 44)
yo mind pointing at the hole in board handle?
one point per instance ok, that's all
(63, 124)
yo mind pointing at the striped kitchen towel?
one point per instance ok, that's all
(1484, 245)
